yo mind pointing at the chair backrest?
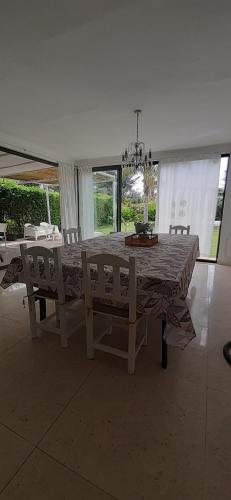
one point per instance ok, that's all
(105, 290)
(179, 229)
(72, 235)
(42, 268)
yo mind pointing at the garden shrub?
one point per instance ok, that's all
(103, 209)
(152, 211)
(27, 204)
(127, 213)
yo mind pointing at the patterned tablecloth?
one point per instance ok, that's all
(163, 276)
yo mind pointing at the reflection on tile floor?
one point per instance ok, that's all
(72, 428)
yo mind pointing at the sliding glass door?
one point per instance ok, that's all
(139, 197)
(172, 192)
(107, 200)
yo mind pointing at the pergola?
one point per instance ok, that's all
(28, 169)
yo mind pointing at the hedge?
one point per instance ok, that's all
(134, 211)
(103, 209)
(130, 211)
(27, 204)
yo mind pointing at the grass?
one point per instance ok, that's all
(129, 226)
(214, 242)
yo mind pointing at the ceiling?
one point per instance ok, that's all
(26, 169)
(72, 71)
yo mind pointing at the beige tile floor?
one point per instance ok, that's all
(77, 429)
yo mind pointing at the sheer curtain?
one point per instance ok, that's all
(68, 195)
(86, 202)
(188, 196)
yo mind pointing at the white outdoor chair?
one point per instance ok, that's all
(49, 286)
(179, 229)
(129, 314)
(3, 230)
(72, 235)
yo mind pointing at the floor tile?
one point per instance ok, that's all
(11, 302)
(139, 437)
(218, 452)
(13, 452)
(37, 379)
(219, 371)
(188, 364)
(11, 333)
(145, 433)
(41, 478)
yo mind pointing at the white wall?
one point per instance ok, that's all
(224, 256)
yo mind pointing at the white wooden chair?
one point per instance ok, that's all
(49, 286)
(128, 314)
(3, 230)
(72, 235)
(179, 229)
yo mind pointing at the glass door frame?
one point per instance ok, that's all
(118, 169)
(215, 259)
(223, 203)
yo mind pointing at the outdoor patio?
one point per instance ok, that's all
(12, 248)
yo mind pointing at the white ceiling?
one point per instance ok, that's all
(72, 71)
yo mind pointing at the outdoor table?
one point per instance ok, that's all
(163, 275)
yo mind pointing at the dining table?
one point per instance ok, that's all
(163, 273)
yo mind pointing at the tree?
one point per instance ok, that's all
(128, 181)
(148, 174)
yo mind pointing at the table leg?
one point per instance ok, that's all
(42, 308)
(164, 347)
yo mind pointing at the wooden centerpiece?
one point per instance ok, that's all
(143, 237)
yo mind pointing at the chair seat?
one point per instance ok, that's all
(121, 312)
(49, 294)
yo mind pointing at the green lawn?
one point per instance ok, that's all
(214, 243)
(129, 226)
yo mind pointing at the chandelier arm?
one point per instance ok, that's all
(135, 155)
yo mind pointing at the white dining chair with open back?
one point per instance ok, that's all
(104, 290)
(179, 230)
(3, 230)
(72, 235)
(42, 270)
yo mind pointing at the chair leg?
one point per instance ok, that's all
(57, 314)
(131, 348)
(90, 334)
(32, 315)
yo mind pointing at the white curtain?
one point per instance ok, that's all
(68, 195)
(188, 196)
(86, 202)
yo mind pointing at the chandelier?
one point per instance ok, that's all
(135, 155)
